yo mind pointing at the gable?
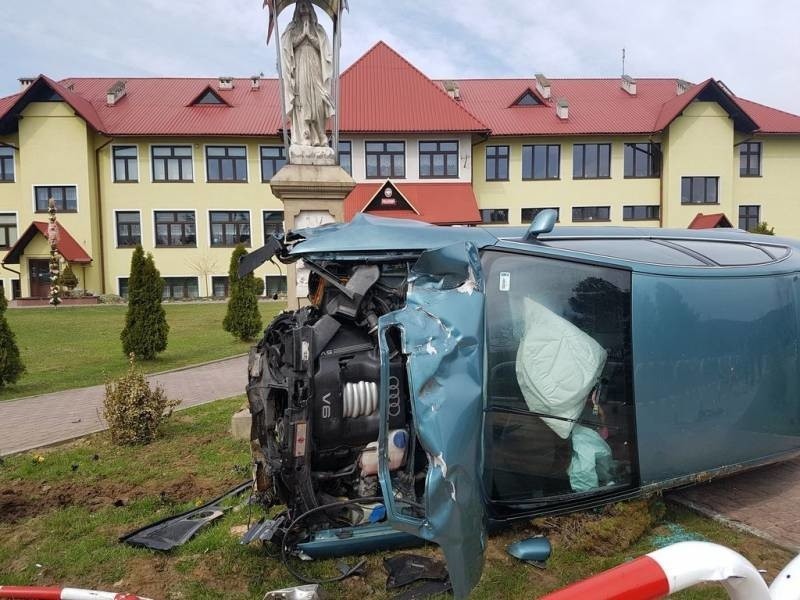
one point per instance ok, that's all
(528, 98)
(208, 97)
(388, 197)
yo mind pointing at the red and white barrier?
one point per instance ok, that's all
(681, 566)
(12, 592)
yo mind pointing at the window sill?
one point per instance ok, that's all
(639, 220)
(229, 247)
(541, 179)
(59, 211)
(496, 180)
(184, 246)
(750, 176)
(8, 181)
(642, 177)
(173, 181)
(385, 177)
(227, 181)
(699, 203)
(126, 181)
(590, 178)
(591, 220)
(438, 176)
(128, 247)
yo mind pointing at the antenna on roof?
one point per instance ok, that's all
(623, 61)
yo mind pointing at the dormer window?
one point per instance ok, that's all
(209, 98)
(527, 99)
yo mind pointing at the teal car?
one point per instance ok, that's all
(445, 380)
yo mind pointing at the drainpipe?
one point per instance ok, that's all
(101, 259)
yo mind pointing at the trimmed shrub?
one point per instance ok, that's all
(763, 228)
(146, 328)
(242, 320)
(133, 410)
(11, 366)
(68, 279)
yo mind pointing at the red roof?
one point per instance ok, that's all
(70, 249)
(438, 203)
(702, 221)
(383, 92)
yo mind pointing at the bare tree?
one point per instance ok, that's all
(204, 265)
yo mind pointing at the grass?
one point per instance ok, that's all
(61, 518)
(71, 347)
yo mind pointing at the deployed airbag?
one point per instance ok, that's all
(557, 366)
(592, 465)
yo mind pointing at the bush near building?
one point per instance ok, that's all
(146, 328)
(11, 366)
(68, 279)
(763, 228)
(243, 320)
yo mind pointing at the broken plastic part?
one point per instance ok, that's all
(300, 592)
(405, 569)
(171, 532)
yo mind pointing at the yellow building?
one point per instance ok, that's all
(182, 166)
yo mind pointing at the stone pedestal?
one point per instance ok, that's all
(312, 195)
(240, 425)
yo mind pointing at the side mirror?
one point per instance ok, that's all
(543, 223)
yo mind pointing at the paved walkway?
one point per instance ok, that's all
(41, 420)
(764, 501)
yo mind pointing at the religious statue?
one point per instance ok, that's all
(307, 70)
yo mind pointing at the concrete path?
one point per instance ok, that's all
(42, 420)
(764, 501)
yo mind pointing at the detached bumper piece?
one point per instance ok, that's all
(407, 569)
(16, 592)
(171, 532)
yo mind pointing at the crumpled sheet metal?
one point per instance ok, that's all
(442, 337)
(300, 592)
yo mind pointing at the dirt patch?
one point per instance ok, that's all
(605, 531)
(22, 499)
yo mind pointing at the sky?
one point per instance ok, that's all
(751, 46)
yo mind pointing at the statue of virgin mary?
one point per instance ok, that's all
(307, 69)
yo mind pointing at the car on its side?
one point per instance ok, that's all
(445, 379)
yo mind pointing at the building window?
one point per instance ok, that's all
(8, 230)
(172, 163)
(642, 212)
(229, 228)
(591, 161)
(273, 223)
(527, 99)
(385, 159)
(346, 157)
(129, 229)
(177, 288)
(541, 161)
(16, 289)
(699, 190)
(527, 215)
(438, 160)
(750, 159)
(496, 163)
(65, 197)
(122, 284)
(220, 287)
(272, 159)
(643, 160)
(226, 164)
(175, 229)
(494, 216)
(591, 213)
(749, 217)
(275, 286)
(126, 164)
(6, 164)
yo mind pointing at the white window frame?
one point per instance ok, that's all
(261, 223)
(153, 229)
(141, 227)
(138, 163)
(246, 160)
(249, 216)
(16, 221)
(77, 197)
(260, 169)
(150, 161)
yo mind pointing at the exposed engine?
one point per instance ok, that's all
(314, 395)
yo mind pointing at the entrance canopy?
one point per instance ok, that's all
(67, 247)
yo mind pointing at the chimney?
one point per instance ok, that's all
(255, 83)
(452, 89)
(628, 84)
(226, 83)
(115, 92)
(562, 109)
(681, 86)
(543, 86)
(25, 82)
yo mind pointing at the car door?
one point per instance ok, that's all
(441, 333)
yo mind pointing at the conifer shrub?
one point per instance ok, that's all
(763, 228)
(11, 366)
(242, 320)
(146, 329)
(68, 279)
(133, 410)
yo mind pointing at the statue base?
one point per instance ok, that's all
(312, 195)
(311, 155)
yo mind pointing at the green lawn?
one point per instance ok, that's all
(62, 515)
(70, 347)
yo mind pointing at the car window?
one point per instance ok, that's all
(559, 413)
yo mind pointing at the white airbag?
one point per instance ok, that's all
(557, 366)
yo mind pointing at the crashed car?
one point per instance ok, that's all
(443, 380)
